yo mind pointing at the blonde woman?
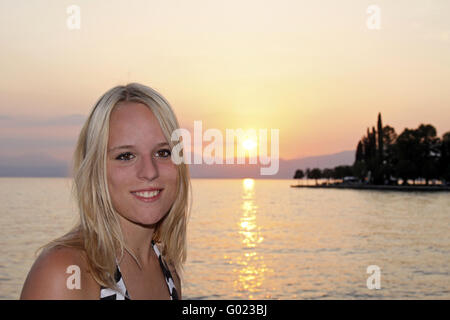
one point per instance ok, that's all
(133, 200)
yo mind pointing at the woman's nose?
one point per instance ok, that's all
(147, 169)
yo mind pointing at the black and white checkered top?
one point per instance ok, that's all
(110, 294)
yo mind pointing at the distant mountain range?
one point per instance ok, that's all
(33, 165)
(38, 165)
(286, 167)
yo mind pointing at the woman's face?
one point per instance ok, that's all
(142, 179)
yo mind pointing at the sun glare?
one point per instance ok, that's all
(249, 144)
(248, 184)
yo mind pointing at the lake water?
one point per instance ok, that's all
(261, 239)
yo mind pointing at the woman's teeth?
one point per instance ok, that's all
(147, 194)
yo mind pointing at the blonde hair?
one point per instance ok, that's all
(98, 231)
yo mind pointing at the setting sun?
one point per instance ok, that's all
(249, 144)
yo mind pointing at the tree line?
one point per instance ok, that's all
(383, 157)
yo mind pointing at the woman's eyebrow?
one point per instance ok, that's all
(130, 146)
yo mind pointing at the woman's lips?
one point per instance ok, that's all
(148, 196)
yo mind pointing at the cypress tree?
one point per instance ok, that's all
(380, 157)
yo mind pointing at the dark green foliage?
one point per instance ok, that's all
(315, 174)
(299, 174)
(383, 157)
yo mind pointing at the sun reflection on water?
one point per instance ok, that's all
(250, 275)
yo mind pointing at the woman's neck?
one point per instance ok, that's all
(138, 239)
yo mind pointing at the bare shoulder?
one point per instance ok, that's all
(176, 278)
(60, 274)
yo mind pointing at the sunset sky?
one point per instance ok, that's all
(312, 69)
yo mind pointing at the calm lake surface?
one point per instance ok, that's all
(261, 239)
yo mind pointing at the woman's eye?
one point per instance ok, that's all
(163, 153)
(126, 156)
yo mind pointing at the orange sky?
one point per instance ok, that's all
(311, 69)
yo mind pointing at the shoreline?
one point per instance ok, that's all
(377, 187)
